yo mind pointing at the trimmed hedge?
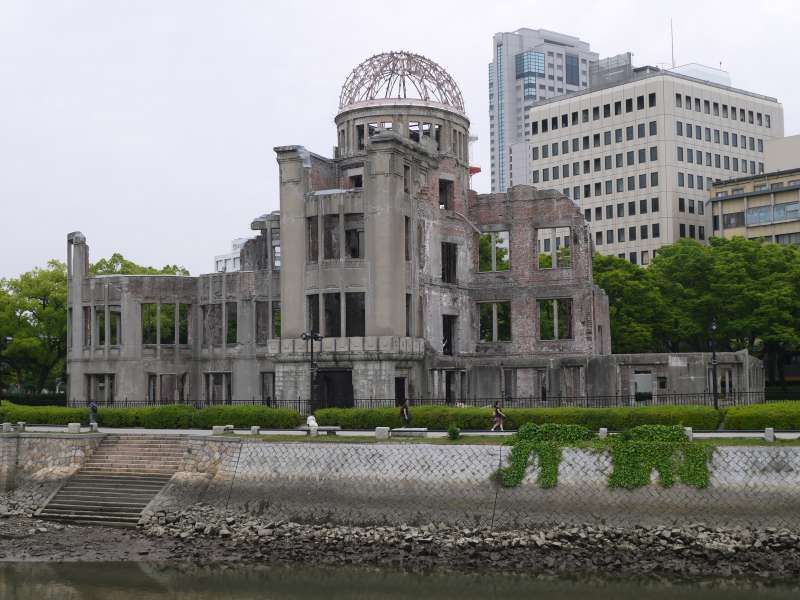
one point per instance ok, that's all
(441, 417)
(41, 415)
(157, 417)
(780, 415)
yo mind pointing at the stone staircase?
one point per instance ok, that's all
(118, 481)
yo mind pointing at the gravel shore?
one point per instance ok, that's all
(203, 535)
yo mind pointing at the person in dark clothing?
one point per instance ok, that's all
(92, 412)
(405, 414)
(499, 417)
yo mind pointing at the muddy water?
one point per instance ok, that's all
(150, 581)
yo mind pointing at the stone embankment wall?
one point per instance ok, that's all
(34, 465)
(423, 483)
(393, 483)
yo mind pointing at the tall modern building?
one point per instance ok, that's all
(528, 65)
(640, 155)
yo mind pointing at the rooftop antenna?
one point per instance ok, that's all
(672, 42)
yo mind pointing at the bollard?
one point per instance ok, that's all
(382, 433)
(689, 433)
(93, 427)
(73, 427)
(255, 430)
(218, 429)
(21, 425)
(769, 434)
(7, 428)
(603, 433)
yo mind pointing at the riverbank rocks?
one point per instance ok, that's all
(695, 550)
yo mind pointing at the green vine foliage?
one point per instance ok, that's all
(664, 448)
(546, 442)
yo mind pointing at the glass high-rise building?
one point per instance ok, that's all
(528, 65)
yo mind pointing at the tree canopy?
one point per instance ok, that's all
(749, 289)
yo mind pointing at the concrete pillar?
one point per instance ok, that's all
(769, 434)
(293, 186)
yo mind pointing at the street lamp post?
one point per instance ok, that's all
(714, 363)
(310, 337)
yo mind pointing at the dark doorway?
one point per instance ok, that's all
(450, 386)
(399, 390)
(334, 389)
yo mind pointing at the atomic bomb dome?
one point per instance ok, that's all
(400, 75)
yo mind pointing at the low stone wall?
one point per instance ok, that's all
(41, 461)
(424, 483)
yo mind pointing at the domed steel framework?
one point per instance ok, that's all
(400, 75)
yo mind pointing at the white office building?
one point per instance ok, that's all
(528, 65)
(640, 156)
(230, 262)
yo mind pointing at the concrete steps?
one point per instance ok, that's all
(118, 481)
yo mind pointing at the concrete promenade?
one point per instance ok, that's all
(787, 435)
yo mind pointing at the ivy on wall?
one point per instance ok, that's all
(635, 454)
(665, 449)
(546, 442)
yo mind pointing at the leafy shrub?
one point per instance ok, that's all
(441, 417)
(780, 415)
(156, 417)
(453, 432)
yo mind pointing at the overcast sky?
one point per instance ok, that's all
(149, 125)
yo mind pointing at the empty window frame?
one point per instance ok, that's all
(100, 325)
(115, 325)
(312, 312)
(183, 324)
(218, 387)
(495, 321)
(555, 318)
(330, 239)
(332, 304)
(448, 334)
(166, 333)
(149, 323)
(312, 239)
(231, 322)
(407, 236)
(445, 194)
(449, 262)
(554, 248)
(276, 319)
(355, 314)
(494, 251)
(354, 235)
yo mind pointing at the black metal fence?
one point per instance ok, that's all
(306, 407)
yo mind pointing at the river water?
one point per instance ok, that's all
(150, 581)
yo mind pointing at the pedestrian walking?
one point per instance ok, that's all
(499, 417)
(92, 411)
(405, 414)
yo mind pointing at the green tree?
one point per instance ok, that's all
(119, 265)
(33, 310)
(635, 306)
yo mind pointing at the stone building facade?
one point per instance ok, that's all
(419, 287)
